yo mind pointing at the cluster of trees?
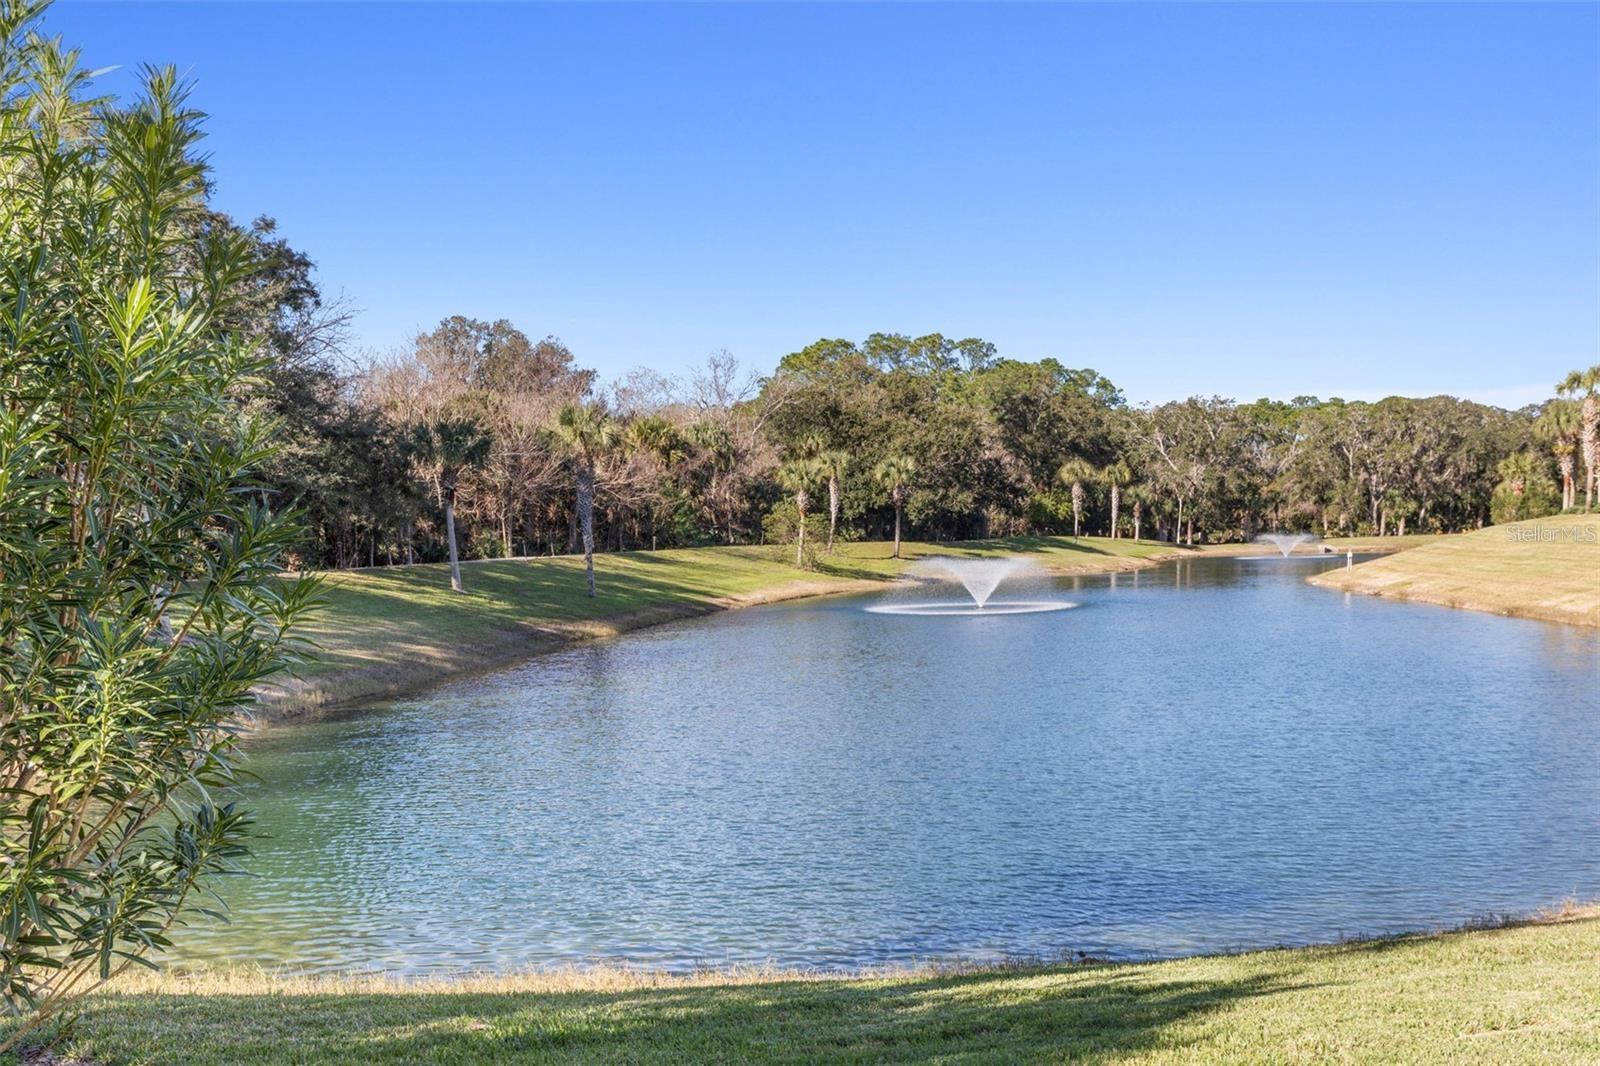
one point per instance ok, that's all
(480, 441)
(477, 440)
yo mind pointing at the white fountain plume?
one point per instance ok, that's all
(1285, 542)
(980, 577)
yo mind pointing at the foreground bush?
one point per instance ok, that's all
(138, 598)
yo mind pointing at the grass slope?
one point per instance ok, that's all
(1547, 568)
(1523, 994)
(388, 629)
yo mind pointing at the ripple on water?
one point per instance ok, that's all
(1214, 756)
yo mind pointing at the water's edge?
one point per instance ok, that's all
(280, 702)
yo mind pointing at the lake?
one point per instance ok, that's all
(1205, 755)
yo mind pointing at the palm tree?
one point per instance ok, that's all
(1558, 426)
(1074, 472)
(449, 446)
(585, 432)
(1140, 496)
(1517, 470)
(658, 438)
(834, 464)
(895, 474)
(800, 476)
(1116, 475)
(1586, 382)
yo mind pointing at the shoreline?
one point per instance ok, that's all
(602, 974)
(854, 570)
(1519, 990)
(283, 702)
(1507, 571)
(1358, 586)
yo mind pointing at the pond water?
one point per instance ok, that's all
(1204, 755)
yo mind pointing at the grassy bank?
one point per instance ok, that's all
(1385, 544)
(1520, 994)
(1547, 568)
(391, 629)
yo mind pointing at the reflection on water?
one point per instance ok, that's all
(1207, 755)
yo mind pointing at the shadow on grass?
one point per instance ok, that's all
(844, 567)
(1063, 1014)
(1024, 545)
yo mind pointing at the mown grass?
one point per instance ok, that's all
(387, 629)
(1388, 543)
(1547, 568)
(1519, 994)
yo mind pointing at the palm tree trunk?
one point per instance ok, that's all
(898, 507)
(1116, 502)
(586, 521)
(833, 509)
(450, 536)
(1137, 514)
(800, 540)
(1591, 428)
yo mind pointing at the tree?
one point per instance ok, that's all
(895, 474)
(1192, 445)
(1525, 489)
(447, 448)
(1073, 473)
(1116, 475)
(801, 476)
(585, 432)
(141, 595)
(1141, 497)
(1558, 426)
(834, 465)
(659, 439)
(1587, 383)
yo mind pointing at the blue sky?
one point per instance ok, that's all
(1237, 199)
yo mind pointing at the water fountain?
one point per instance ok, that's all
(1285, 542)
(979, 577)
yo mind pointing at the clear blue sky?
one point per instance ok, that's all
(1239, 199)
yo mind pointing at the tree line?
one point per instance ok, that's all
(479, 441)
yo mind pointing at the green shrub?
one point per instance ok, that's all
(140, 597)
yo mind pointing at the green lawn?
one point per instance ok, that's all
(1389, 543)
(1526, 994)
(1545, 568)
(388, 629)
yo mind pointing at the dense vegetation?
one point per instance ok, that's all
(979, 445)
(948, 436)
(140, 596)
